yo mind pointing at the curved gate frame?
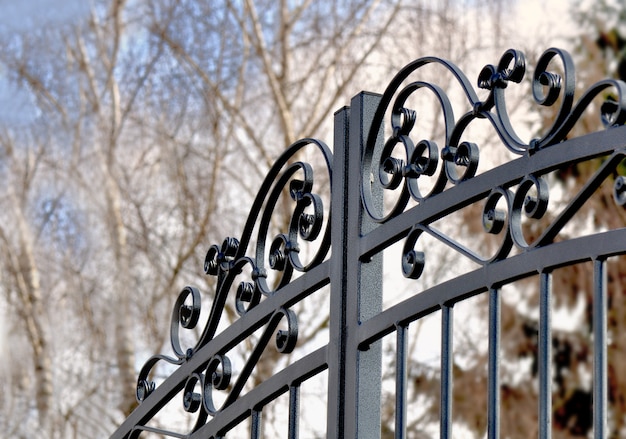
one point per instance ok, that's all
(363, 166)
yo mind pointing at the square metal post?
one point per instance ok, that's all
(356, 286)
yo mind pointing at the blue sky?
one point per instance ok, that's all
(27, 14)
(16, 106)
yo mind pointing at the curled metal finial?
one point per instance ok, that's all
(530, 200)
(184, 315)
(413, 261)
(219, 258)
(286, 339)
(217, 376)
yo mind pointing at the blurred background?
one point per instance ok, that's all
(134, 134)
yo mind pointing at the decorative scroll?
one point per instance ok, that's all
(523, 197)
(251, 269)
(460, 158)
(227, 262)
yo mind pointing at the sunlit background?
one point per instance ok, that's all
(134, 134)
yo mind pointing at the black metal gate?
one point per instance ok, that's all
(388, 186)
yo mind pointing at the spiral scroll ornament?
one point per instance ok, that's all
(241, 271)
(405, 157)
(460, 158)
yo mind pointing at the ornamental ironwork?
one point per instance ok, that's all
(385, 182)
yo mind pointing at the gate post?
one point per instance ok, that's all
(354, 382)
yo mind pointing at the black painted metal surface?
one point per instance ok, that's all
(371, 158)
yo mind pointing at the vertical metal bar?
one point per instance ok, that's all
(401, 375)
(600, 359)
(338, 289)
(445, 411)
(294, 411)
(545, 356)
(493, 373)
(255, 427)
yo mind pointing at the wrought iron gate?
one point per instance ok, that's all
(390, 186)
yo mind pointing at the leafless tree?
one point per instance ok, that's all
(128, 168)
